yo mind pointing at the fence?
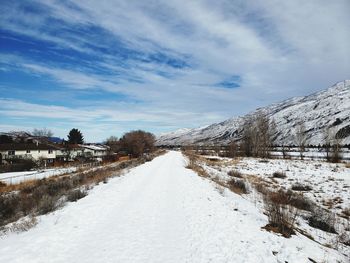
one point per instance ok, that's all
(310, 153)
(18, 177)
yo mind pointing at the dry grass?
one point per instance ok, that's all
(235, 173)
(346, 212)
(46, 195)
(347, 165)
(281, 214)
(279, 174)
(301, 187)
(193, 161)
(322, 219)
(237, 186)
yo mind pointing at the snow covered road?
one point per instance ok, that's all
(158, 212)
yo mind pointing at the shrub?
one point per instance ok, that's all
(47, 204)
(235, 173)
(301, 202)
(280, 213)
(18, 165)
(321, 219)
(9, 204)
(137, 143)
(278, 174)
(45, 195)
(301, 187)
(238, 186)
(346, 212)
(75, 195)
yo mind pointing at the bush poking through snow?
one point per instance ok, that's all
(301, 202)
(281, 214)
(47, 204)
(9, 205)
(237, 186)
(346, 212)
(321, 219)
(281, 175)
(75, 195)
(301, 187)
(235, 173)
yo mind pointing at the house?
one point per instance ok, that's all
(69, 152)
(35, 151)
(95, 151)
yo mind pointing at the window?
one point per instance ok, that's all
(28, 151)
(50, 151)
(11, 152)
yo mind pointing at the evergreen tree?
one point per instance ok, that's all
(75, 137)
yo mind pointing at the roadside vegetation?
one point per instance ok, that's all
(288, 203)
(39, 197)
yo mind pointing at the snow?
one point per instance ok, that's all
(318, 111)
(159, 212)
(18, 177)
(328, 180)
(329, 184)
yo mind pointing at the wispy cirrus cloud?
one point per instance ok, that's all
(174, 63)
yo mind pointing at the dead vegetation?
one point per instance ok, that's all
(281, 213)
(322, 219)
(283, 207)
(43, 196)
(235, 173)
(279, 174)
(301, 187)
(238, 186)
(193, 164)
(346, 212)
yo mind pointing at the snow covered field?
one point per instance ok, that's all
(159, 212)
(329, 188)
(18, 177)
(329, 182)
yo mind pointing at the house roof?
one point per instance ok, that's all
(25, 146)
(94, 147)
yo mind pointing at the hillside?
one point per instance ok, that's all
(328, 108)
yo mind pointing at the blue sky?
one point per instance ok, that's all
(107, 67)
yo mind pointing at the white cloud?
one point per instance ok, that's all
(280, 49)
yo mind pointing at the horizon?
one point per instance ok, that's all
(108, 68)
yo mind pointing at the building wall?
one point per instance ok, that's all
(35, 154)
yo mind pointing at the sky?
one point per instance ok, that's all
(108, 67)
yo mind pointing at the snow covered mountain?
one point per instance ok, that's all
(328, 108)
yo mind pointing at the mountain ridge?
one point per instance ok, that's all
(329, 108)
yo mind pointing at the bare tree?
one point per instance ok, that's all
(301, 140)
(137, 143)
(113, 143)
(284, 152)
(258, 132)
(44, 132)
(233, 149)
(336, 143)
(327, 139)
(247, 143)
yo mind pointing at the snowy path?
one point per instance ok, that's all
(159, 212)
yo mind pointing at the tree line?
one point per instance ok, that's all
(259, 134)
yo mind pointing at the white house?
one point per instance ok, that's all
(95, 151)
(35, 151)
